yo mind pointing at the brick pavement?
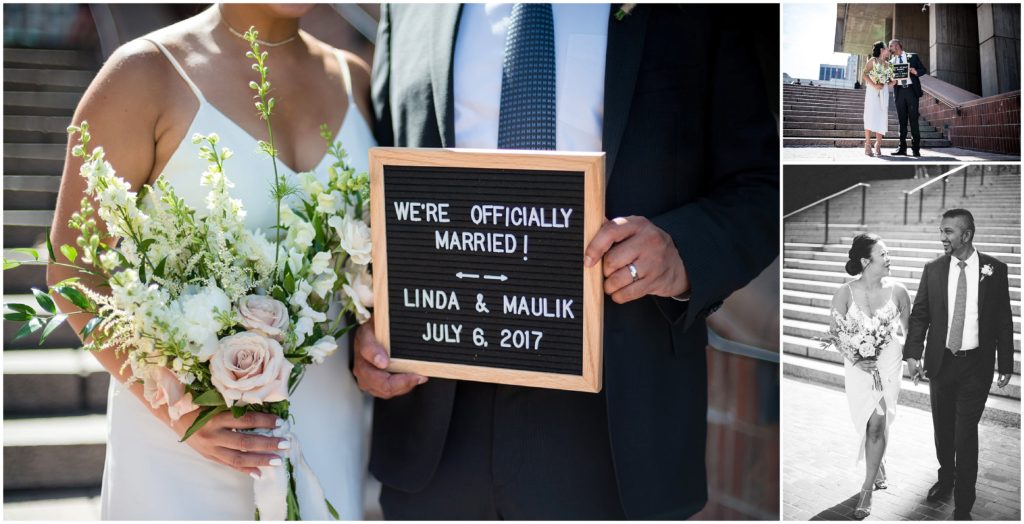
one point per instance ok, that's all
(821, 481)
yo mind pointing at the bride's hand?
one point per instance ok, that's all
(217, 441)
(867, 366)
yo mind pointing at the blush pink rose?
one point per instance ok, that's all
(161, 387)
(249, 368)
(264, 314)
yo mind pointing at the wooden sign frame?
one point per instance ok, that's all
(591, 165)
(897, 69)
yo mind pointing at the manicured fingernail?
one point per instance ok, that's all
(284, 444)
(275, 462)
(254, 475)
(380, 361)
(587, 261)
(279, 422)
(422, 380)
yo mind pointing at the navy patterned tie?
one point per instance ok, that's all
(527, 116)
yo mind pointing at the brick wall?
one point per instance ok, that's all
(986, 124)
(743, 439)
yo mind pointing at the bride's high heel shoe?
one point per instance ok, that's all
(867, 148)
(878, 147)
(863, 509)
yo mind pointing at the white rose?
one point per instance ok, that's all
(354, 238)
(250, 368)
(200, 318)
(322, 348)
(321, 262)
(264, 315)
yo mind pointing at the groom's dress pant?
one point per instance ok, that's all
(516, 453)
(958, 394)
(907, 111)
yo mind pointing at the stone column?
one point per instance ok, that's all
(953, 43)
(910, 26)
(999, 40)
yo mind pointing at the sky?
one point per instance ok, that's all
(808, 36)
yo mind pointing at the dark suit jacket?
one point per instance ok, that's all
(915, 80)
(929, 317)
(690, 144)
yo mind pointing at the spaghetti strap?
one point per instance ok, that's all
(346, 76)
(178, 68)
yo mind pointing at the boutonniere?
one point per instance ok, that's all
(986, 271)
(624, 11)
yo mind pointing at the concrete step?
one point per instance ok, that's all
(40, 104)
(796, 231)
(897, 261)
(50, 59)
(34, 159)
(1000, 410)
(893, 134)
(928, 143)
(54, 453)
(22, 279)
(62, 337)
(36, 129)
(826, 126)
(928, 254)
(837, 278)
(26, 227)
(52, 382)
(824, 300)
(28, 192)
(822, 315)
(812, 349)
(811, 117)
(984, 247)
(39, 80)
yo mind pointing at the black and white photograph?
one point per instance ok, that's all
(901, 342)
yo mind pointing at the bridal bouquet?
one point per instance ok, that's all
(859, 340)
(210, 315)
(881, 73)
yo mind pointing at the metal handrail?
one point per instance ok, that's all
(863, 204)
(920, 191)
(738, 348)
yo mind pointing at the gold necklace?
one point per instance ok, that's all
(258, 41)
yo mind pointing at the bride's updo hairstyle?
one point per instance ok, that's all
(877, 50)
(862, 246)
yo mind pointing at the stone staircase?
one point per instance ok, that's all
(54, 395)
(814, 269)
(833, 117)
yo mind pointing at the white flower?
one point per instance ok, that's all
(300, 234)
(109, 260)
(354, 238)
(301, 295)
(322, 348)
(200, 315)
(324, 284)
(986, 271)
(303, 328)
(161, 387)
(321, 262)
(249, 368)
(295, 261)
(310, 184)
(264, 315)
(328, 203)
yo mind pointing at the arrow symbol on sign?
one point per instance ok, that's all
(461, 275)
(496, 277)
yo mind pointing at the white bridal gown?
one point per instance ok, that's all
(876, 109)
(860, 392)
(150, 475)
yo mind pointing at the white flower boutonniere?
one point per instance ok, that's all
(624, 11)
(986, 271)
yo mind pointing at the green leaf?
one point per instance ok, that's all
(19, 316)
(27, 251)
(31, 327)
(11, 264)
(159, 271)
(89, 327)
(238, 411)
(289, 282)
(45, 301)
(144, 245)
(344, 331)
(49, 247)
(209, 398)
(74, 296)
(23, 308)
(330, 507)
(70, 252)
(204, 416)
(55, 321)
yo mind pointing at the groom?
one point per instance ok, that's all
(907, 94)
(963, 307)
(692, 163)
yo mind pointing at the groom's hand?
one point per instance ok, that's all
(1004, 379)
(636, 240)
(371, 361)
(916, 373)
(913, 71)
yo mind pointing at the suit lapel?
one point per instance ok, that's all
(944, 280)
(446, 25)
(625, 49)
(982, 284)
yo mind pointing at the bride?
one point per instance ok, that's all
(876, 100)
(143, 107)
(872, 297)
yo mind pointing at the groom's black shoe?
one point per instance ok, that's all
(900, 151)
(939, 491)
(917, 152)
(961, 516)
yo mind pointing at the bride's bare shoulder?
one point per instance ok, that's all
(841, 298)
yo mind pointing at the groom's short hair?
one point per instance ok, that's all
(897, 42)
(965, 215)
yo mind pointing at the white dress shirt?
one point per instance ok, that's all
(972, 272)
(581, 38)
